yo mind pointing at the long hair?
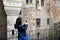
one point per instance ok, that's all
(19, 21)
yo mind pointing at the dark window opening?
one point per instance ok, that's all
(30, 1)
(37, 1)
(42, 2)
(48, 21)
(20, 13)
(38, 22)
(26, 1)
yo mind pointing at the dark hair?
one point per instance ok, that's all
(18, 21)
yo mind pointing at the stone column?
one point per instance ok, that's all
(3, 22)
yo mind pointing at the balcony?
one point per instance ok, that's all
(45, 34)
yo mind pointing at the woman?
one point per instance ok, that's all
(22, 35)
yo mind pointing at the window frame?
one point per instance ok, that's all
(37, 1)
(38, 20)
(20, 13)
(42, 3)
(28, 1)
(48, 21)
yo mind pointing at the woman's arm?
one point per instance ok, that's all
(23, 27)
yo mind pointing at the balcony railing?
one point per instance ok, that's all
(44, 34)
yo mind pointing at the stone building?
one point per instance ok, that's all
(35, 12)
(40, 14)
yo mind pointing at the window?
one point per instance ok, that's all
(48, 20)
(42, 2)
(20, 13)
(38, 22)
(37, 1)
(28, 1)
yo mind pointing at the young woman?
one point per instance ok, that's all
(22, 35)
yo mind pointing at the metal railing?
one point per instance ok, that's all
(44, 34)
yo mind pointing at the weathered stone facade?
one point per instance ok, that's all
(29, 15)
(3, 22)
(49, 10)
(55, 10)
